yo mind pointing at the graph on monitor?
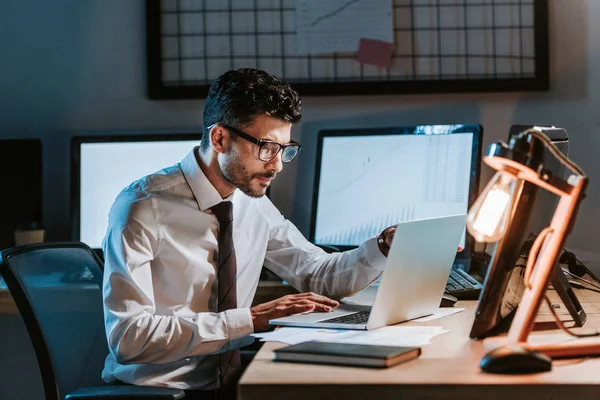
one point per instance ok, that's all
(370, 179)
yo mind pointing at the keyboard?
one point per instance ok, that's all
(358, 318)
(462, 285)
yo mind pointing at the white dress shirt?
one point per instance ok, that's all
(159, 282)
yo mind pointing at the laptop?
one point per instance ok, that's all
(412, 284)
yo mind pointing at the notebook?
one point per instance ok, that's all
(363, 355)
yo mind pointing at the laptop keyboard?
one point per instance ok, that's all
(358, 318)
(462, 285)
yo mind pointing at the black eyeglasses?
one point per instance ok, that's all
(268, 150)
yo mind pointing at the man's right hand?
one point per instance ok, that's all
(288, 305)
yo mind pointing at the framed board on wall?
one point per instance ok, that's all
(440, 46)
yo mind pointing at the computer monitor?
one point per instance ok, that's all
(368, 179)
(503, 284)
(102, 166)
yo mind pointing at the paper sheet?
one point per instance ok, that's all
(388, 335)
(375, 52)
(338, 25)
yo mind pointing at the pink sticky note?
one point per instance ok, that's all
(375, 52)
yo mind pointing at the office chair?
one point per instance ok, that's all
(57, 288)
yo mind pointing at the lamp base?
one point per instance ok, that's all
(515, 360)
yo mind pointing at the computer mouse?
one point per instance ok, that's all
(515, 360)
(448, 300)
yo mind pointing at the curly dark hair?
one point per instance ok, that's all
(238, 96)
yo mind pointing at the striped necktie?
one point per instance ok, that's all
(229, 362)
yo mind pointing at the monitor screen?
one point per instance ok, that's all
(503, 285)
(369, 179)
(103, 166)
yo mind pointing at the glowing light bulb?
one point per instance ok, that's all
(488, 218)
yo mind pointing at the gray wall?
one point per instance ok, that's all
(78, 67)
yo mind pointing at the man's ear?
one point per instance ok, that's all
(220, 139)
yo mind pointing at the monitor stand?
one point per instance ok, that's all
(567, 295)
(563, 288)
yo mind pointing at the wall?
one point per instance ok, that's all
(76, 67)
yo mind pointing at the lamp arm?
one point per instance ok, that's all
(553, 184)
(533, 254)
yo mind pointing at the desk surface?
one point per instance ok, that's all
(447, 368)
(7, 305)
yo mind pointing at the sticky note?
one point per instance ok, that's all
(375, 52)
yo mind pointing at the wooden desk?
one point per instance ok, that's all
(447, 369)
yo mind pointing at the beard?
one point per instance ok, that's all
(236, 173)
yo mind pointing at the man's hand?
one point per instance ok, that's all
(288, 305)
(389, 235)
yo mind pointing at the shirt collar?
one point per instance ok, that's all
(205, 193)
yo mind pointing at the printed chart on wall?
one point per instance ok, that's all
(349, 46)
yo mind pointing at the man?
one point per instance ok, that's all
(180, 273)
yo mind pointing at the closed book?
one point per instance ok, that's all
(363, 355)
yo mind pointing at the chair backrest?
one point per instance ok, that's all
(57, 288)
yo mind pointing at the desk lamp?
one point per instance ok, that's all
(490, 215)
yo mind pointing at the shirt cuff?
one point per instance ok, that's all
(373, 254)
(239, 323)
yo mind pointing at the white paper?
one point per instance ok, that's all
(338, 25)
(442, 312)
(395, 336)
(299, 335)
(388, 335)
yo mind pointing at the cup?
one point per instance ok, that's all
(29, 233)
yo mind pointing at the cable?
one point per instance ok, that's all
(576, 267)
(578, 285)
(582, 279)
(562, 325)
